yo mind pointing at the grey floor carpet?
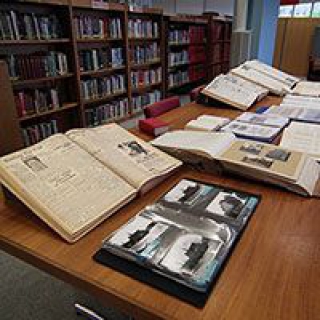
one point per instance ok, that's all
(29, 294)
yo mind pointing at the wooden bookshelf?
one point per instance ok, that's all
(40, 61)
(146, 56)
(89, 57)
(219, 40)
(95, 55)
(186, 52)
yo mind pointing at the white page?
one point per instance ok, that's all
(303, 137)
(263, 119)
(307, 88)
(210, 143)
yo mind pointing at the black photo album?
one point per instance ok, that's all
(180, 243)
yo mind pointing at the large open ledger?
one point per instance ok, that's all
(293, 170)
(74, 181)
(184, 237)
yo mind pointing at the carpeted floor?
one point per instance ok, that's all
(29, 294)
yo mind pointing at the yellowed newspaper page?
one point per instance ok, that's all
(270, 159)
(133, 159)
(67, 187)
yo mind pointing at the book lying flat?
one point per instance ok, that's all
(207, 123)
(300, 113)
(307, 88)
(293, 170)
(235, 91)
(255, 126)
(185, 237)
(303, 137)
(74, 181)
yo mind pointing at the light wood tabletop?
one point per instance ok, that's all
(273, 272)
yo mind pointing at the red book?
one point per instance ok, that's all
(153, 126)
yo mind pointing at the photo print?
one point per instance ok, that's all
(252, 148)
(187, 192)
(258, 161)
(227, 204)
(188, 252)
(279, 154)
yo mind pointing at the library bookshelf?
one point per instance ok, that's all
(186, 54)
(82, 63)
(219, 37)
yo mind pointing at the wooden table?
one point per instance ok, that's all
(273, 273)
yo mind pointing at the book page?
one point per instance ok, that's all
(209, 143)
(303, 137)
(271, 159)
(294, 112)
(307, 88)
(64, 185)
(277, 74)
(302, 101)
(133, 159)
(263, 119)
(250, 74)
(233, 90)
(207, 123)
(251, 130)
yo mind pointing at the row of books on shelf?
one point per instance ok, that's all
(194, 34)
(37, 65)
(146, 77)
(33, 101)
(102, 114)
(15, 25)
(96, 59)
(220, 52)
(139, 28)
(102, 87)
(142, 100)
(88, 27)
(220, 31)
(145, 54)
(192, 55)
(35, 133)
(194, 73)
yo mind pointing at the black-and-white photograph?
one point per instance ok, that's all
(252, 148)
(279, 154)
(133, 148)
(259, 161)
(35, 164)
(187, 253)
(227, 204)
(187, 192)
(138, 234)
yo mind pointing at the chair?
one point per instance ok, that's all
(160, 107)
(194, 94)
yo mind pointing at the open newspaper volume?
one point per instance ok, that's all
(184, 237)
(74, 181)
(296, 171)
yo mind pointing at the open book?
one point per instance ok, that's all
(186, 235)
(76, 180)
(234, 91)
(274, 80)
(307, 88)
(303, 137)
(290, 169)
(206, 123)
(255, 126)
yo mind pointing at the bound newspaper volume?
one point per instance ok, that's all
(76, 180)
(293, 170)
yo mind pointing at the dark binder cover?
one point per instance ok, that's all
(181, 243)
